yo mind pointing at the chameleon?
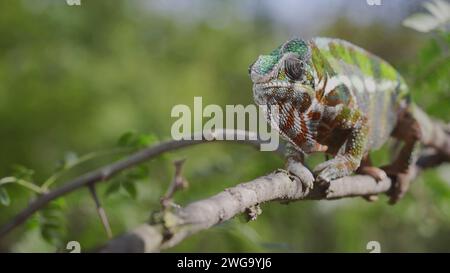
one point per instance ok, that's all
(329, 95)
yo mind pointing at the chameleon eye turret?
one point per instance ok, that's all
(294, 68)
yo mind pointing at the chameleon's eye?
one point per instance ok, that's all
(294, 68)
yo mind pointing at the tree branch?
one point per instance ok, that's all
(169, 228)
(106, 172)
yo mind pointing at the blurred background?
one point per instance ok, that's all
(74, 79)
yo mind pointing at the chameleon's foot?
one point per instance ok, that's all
(299, 173)
(400, 186)
(332, 169)
(377, 173)
(401, 181)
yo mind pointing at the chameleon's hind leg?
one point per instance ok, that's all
(297, 170)
(407, 130)
(367, 168)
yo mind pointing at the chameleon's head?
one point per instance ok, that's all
(286, 71)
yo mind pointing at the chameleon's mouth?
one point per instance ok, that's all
(275, 84)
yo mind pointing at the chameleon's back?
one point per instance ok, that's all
(362, 80)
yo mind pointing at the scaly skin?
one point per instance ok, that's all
(328, 95)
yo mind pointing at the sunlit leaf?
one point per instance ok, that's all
(421, 22)
(70, 159)
(135, 140)
(439, 8)
(147, 140)
(439, 17)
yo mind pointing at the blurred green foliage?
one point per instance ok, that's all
(77, 78)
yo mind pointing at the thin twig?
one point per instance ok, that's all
(101, 212)
(54, 177)
(178, 183)
(27, 184)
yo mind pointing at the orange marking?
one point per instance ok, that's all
(314, 115)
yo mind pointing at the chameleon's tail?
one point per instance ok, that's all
(434, 133)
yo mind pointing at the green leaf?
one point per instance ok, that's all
(146, 140)
(130, 188)
(135, 140)
(128, 139)
(52, 222)
(138, 173)
(127, 181)
(22, 172)
(113, 187)
(32, 222)
(4, 197)
(52, 235)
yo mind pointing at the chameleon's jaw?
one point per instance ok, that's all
(280, 87)
(263, 92)
(276, 84)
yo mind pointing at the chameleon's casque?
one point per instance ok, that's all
(332, 96)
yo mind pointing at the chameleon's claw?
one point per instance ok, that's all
(331, 170)
(400, 187)
(298, 172)
(401, 180)
(377, 173)
(326, 172)
(307, 184)
(323, 180)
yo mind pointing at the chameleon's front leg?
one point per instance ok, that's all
(295, 166)
(349, 158)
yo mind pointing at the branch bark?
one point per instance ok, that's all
(172, 226)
